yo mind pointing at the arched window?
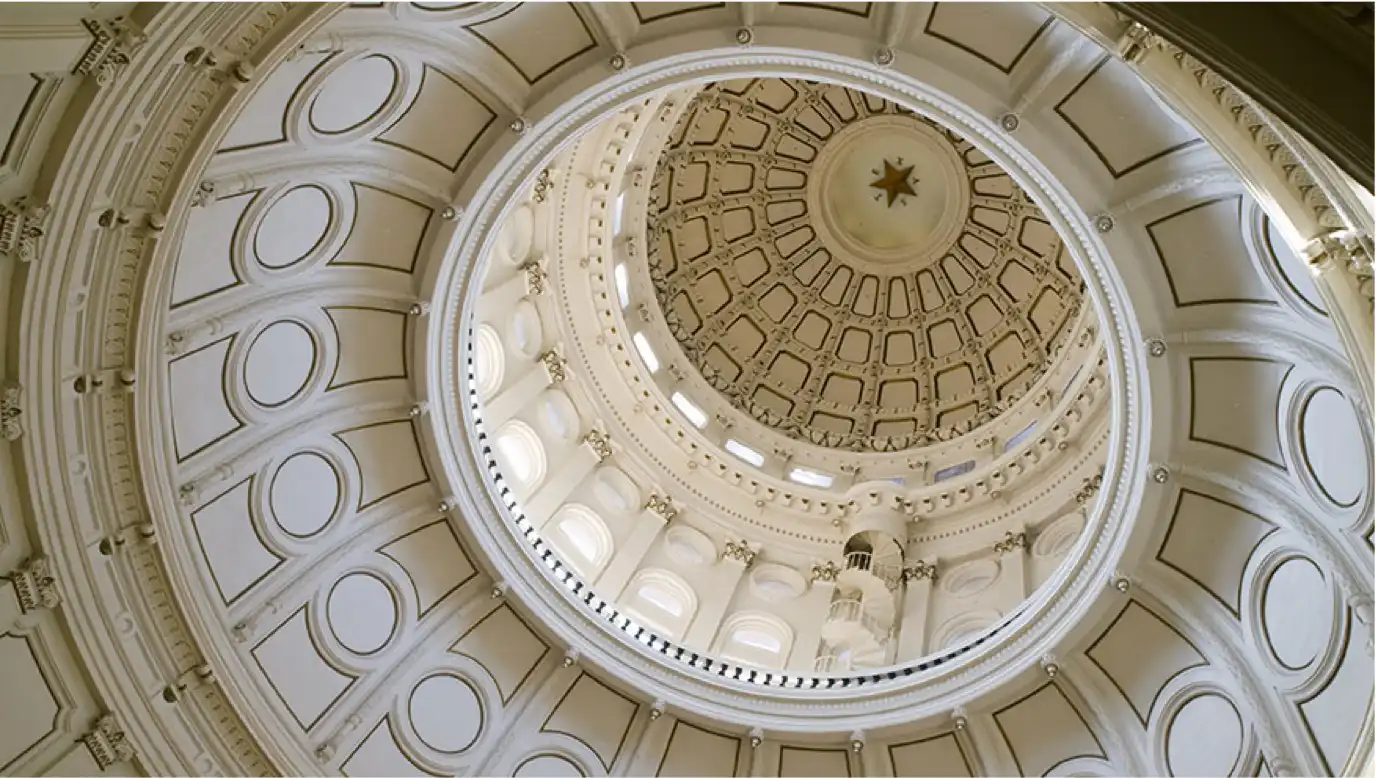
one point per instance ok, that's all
(526, 331)
(520, 455)
(582, 539)
(661, 601)
(489, 361)
(756, 639)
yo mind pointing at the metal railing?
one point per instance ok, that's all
(864, 561)
(548, 562)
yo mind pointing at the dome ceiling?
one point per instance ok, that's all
(249, 526)
(850, 273)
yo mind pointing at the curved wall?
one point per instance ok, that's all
(269, 586)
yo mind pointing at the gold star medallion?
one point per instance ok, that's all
(895, 181)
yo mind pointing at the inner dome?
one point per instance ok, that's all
(850, 273)
(685, 266)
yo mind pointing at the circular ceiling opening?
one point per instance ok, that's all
(825, 353)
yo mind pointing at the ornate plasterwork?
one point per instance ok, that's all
(35, 585)
(107, 742)
(796, 324)
(140, 575)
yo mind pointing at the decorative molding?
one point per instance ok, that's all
(1012, 541)
(107, 742)
(920, 570)
(34, 584)
(21, 227)
(661, 506)
(115, 43)
(1089, 488)
(11, 412)
(537, 278)
(556, 365)
(1135, 43)
(600, 443)
(741, 552)
(825, 572)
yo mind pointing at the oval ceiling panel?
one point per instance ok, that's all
(305, 494)
(1331, 442)
(279, 363)
(1204, 738)
(548, 766)
(1294, 613)
(293, 227)
(362, 613)
(446, 713)
(353, 94)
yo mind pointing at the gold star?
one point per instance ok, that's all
(894, 182)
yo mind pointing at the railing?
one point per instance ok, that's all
(864, 561)
(853, 610)
(547, 561)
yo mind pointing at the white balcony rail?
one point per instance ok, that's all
(864, 561)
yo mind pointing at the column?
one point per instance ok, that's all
(501, 299)
(1012, 584)
(814, 604)
(717, 596)
(632, 550)
(550, 369)
(574, 470)
(1341, 265)
(917, 598)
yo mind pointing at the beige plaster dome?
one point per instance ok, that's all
(328, 444)
(827, 304)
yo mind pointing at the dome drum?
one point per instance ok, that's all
(919, 347)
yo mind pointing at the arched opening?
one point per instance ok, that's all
(583, 540)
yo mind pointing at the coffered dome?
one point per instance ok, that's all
(343, 430)
(849, 272)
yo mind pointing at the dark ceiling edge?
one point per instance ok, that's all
(1304, 62)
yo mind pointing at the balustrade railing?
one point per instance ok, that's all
(864, 561)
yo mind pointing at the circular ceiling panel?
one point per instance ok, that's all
(847, 272)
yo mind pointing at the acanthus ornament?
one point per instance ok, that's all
(662, 507)
(115, 42)
(1012, 541)
(1089, 488)
(555, 364)
(919, 570)
(741, 552)
(35, 586)
(826, 571)
(11, 412)
(21, 227)
(107, 742)
(600, 443)
(544, 184)
(536, 277)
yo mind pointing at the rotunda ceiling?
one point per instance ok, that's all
(848, 272)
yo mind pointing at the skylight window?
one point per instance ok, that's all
(953, 471)
(810, 477)
(647, 354)
(693, 412)
(616, 214)
(623, 285)
(1020, 437)
(745, 452)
